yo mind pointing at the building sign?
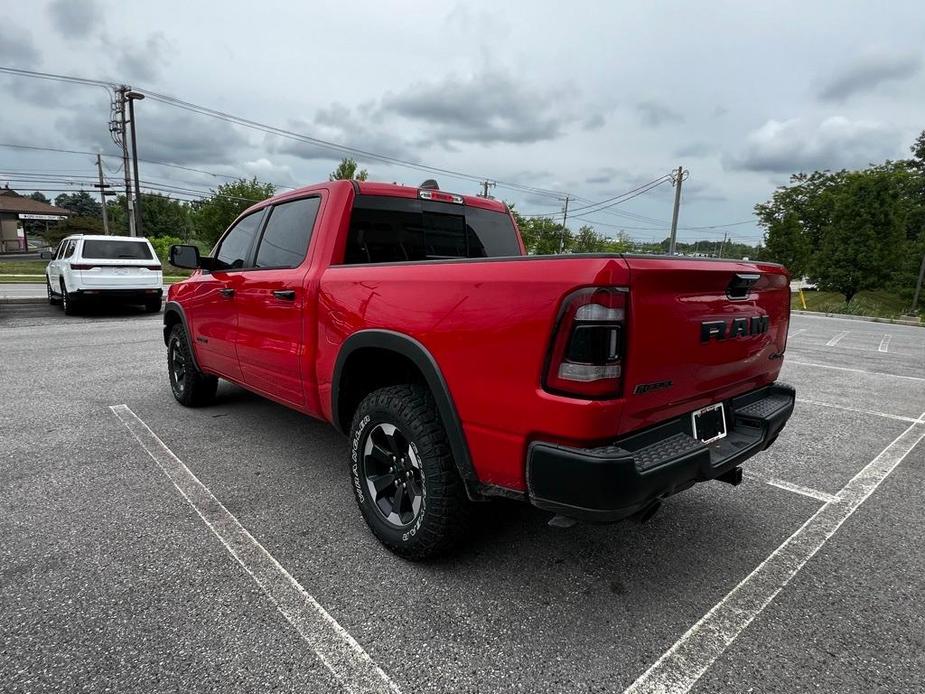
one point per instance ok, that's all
(46, 217)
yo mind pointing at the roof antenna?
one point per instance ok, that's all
(429, 184)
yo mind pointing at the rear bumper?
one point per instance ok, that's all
(136, 294)
(616, 481)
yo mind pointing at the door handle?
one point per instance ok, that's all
(226, 292)
(285, 294)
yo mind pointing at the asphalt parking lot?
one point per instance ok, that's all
(809, 576)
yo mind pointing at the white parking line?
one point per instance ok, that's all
(834, 341)
(845, 368)
(336, 648)
(797, 332)
(805, 491)
(679, 668)
(885, 343)
(858, 410)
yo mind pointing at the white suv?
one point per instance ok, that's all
(85, 268)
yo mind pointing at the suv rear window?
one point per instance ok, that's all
(386, 230)
(116, 250)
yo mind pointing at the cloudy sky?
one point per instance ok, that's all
(592, 99)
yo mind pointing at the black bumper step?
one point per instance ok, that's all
(613, 482)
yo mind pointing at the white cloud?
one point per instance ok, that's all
(800, 145)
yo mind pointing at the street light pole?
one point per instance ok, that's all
(132, 97)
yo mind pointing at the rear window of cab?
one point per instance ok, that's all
(105, 249)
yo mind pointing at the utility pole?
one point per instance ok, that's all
(102, 186)
(676, 179)
(918, 287)
(485, 186)
(723, 245)
(118, 128)
(564, 228)
(132, 96)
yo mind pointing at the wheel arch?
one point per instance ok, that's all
(174, 315)
(373, 359)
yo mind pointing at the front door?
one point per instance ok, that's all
(273, 306)
(212, 300)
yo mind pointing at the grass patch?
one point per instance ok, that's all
(22, 267)
(878, 303)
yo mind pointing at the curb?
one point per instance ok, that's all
(872, 319)
(23, 299)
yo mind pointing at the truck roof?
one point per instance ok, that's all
(388, 189)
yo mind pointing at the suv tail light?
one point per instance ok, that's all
(586, 357)
(81, 266)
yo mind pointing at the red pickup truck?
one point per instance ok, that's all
(592, 386)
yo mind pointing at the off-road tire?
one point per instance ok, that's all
(445, 512)
(189, 385)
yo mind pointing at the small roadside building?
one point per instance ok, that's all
(14, 209)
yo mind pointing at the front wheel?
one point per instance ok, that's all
(190, 386)
(404, 478)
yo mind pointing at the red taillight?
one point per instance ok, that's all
(80, 266)
(586, 357)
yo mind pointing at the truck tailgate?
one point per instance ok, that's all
(700, 331)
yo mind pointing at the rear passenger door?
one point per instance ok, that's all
(273, 304)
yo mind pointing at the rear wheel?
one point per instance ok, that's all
(52, 298)
(404, 478)
(190, 386)
(153, 305)
(68, 302)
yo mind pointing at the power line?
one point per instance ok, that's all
(144, 161)
(282, 132)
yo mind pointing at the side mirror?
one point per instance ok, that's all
(46, 255)
(185, 256)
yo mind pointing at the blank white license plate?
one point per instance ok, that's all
(709, 423)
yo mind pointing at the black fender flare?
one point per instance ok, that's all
(171, 310)
(414, 351)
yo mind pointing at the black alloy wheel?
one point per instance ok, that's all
(176, 362)
(392, 472)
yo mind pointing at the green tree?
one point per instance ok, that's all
(210, 217)
(787, 243)
(588, 241)
(82, 204)
(544, 236)
(161, 215)
(347, 171)
(864, 238)
(40, 197)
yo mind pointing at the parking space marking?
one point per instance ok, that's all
(885, 343)
(797, 332)
(876, 413)
(333, 645)
(805, 491)
(679, 668)
(835, 340)
(859, 371)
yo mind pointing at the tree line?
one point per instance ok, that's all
(848, 231)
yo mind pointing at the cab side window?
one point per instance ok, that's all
(284, 243)
(234, 252)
